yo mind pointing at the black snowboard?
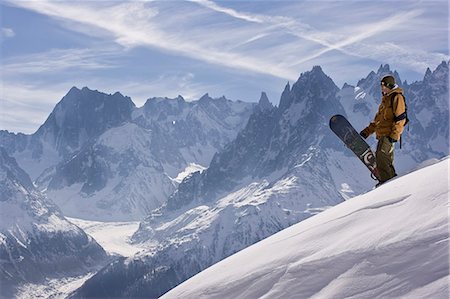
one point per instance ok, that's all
(351, 138)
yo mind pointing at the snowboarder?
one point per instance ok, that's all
(388, 126)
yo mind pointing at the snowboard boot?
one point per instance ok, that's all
(382, 182)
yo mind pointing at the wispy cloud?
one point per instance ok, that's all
(352, 44)
(57, 60)
(7, 33)
(255, 44)
(33, 101)
(243, 16)
(131, 25)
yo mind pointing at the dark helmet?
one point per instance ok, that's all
(388, 81)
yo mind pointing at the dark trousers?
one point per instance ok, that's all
(385, 159)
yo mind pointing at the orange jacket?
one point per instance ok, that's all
(392, 105)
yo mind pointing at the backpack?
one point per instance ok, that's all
(402, 116)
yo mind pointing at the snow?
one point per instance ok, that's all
(389, 242)
(126, 137)
(114, 237)
(55, 224)
(124, 197)
(327, 256)
(34, 167)
(191, 168)
(425, 116)
(52, 288)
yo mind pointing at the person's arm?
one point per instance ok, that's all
(369, 130)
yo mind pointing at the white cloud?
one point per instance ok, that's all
(349, 44)
(243, 16)
(131, 25)
(8, 32)
(255, 44)
(56, 60)
(32, 100)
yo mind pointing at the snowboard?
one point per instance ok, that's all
(351, 138)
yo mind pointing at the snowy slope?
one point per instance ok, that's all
(36, 241)
(117, 178)
(390, 242)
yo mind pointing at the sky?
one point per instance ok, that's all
(235, 49)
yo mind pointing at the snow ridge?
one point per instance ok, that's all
(368, 246)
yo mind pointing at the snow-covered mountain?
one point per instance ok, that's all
(130, 170)
(191, 132)
(283, 167)
(275, 143)
(101, 158)
(117, 177)
(36, 241)
(390, 242)
(80, 116)
(428, 135)
(280, 169)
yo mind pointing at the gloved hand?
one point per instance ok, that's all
(392, 140)
(363, 134)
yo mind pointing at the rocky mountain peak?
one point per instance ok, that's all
(346, 85)
(371, 84)
(264, 103)
(314, 80)
(384, 69)
(205, 98)
(84, 114)
(285, 100)
(428, 75)
(10, 170)
(313, 92)
(440, 73)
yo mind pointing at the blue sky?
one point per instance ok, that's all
(234, 48)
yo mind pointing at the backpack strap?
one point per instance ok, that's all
(402, 116)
